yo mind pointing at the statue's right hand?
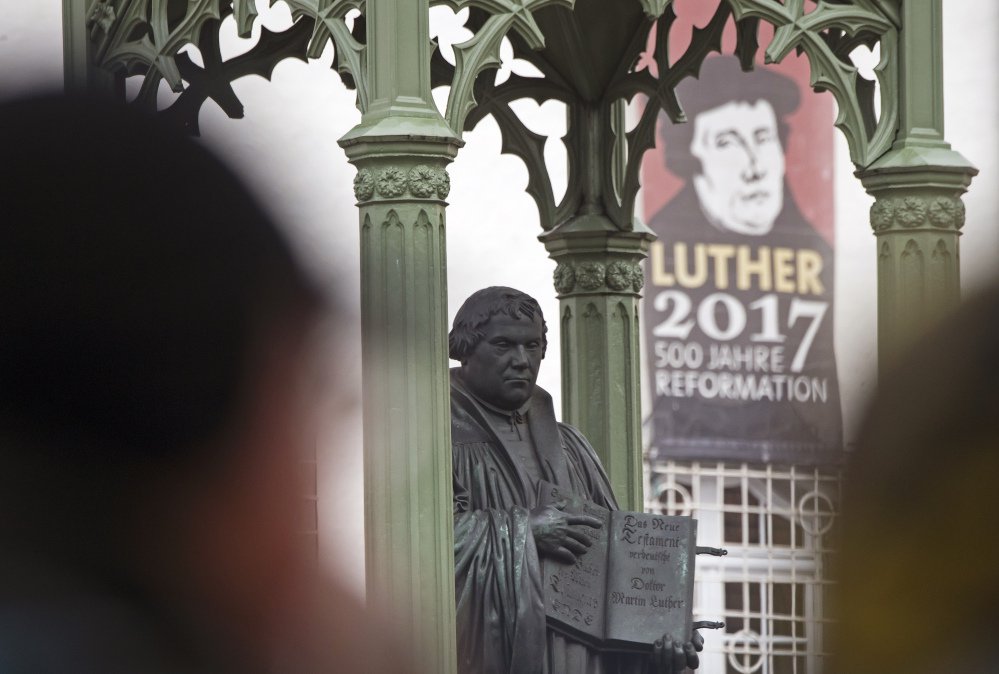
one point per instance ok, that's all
(560, 535)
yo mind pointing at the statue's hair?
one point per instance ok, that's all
(480, 307)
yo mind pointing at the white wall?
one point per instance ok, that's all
(286, 147)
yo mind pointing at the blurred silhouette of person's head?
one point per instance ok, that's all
(157, 346)
(919, 564)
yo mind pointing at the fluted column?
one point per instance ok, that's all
(917, 185)
(400, 150)
(917, 218)
(598, 280)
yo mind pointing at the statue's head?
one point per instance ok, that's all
(498, 336)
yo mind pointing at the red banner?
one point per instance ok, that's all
(739, 286)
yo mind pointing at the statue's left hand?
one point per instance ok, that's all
(672, 656)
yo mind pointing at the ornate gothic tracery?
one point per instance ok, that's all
(149, 37)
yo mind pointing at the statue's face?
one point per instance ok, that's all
(503, 367)
(741, 187)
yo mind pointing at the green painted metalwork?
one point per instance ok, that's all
(400, 185)
(604, 166)
(401, 149)
(330, 25)
(598, 280)
(827, 35)
(145, 37)
(592, 56)
(482, 51)
(588, 64)
(917, 185)
(654, 8)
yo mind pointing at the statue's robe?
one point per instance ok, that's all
(501, 620)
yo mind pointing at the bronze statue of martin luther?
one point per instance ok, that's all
(505, 439)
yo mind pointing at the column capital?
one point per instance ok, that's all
(595, 258)
(401, 171)
(396, 163)
(918, 188)
(917, 217)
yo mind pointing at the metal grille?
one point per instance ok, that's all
(770, 589)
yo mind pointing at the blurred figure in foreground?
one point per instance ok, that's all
(919, 563)
(157, 356)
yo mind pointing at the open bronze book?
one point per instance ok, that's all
(633, 585)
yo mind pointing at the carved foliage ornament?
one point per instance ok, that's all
(564, 278)
(914, 211)
(364, 185)
(947, 212)
(590, 275)
(391, 182)
(422, 181)
(910, 212)
(618, 276)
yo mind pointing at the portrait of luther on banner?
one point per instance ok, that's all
(739, 297)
